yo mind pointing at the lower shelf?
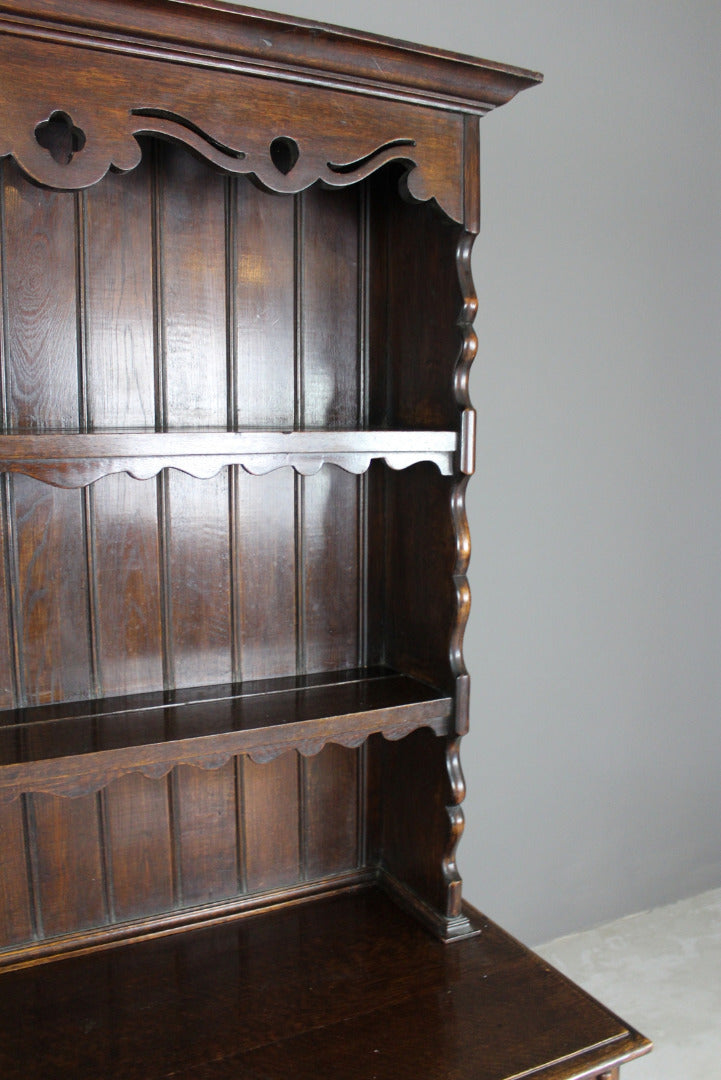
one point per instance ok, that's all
(346, 986)
(78, 747)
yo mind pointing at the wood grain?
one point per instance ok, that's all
(52, 592)
(39, 278)
(261, 248)
(288, 993)
(331, 812)
(119, 302)
(76, 460)
(271, 823)
(198, 554)
(330, 584)
(421, 604)
(139, 845)
(127, 585)
(67, 854)
(207, 836)
(83, 746)
(8, 653)
(191, 234)
(188, 657)
(264, 586)
(217, 124)
(16, 908)
(329, 318)
(262, 272)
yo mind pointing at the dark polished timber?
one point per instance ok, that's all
(236, 314)
(347, 986)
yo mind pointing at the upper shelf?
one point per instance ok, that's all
(78, 747)
(73, 459)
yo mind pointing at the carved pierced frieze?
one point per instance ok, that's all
(69, 134)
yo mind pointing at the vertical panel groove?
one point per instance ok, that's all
(161, 418)
(231, 287)
(362, 803)
(4, 328)
(81, 337)
(385, 359)
(6, 501)
(93, 611)
(363, 304)
(363, 411)
(299, 399)
(166, 598)
(31, 849)
(363, 570)
(174, 838)
(81, 293)
(81, 309)
(161, 387)
(105, 856)
(299, 314)
(300, 575)
(241, 845)
(13, 580)
(236, 574)
(231, 318)
(299, 508)
(303, 796)
(363, 483)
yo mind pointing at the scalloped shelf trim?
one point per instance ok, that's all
(261, 725)
(77, 459)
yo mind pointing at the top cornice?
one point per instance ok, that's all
(212, 33)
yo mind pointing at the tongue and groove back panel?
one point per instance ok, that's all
(175, 297)
(125, 585)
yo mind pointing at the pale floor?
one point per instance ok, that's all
(661, 971)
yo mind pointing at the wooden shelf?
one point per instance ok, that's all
(341, 986)
(75, 748)
(73, 459)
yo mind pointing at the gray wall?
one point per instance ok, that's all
(594, 761)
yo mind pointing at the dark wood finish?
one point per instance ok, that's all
(83, 745)
(77, 460)
(235, 438)
(349, 985)
(362, 62)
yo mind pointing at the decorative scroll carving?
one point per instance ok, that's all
(457, 923)
(469, 348)
(63, 141)
(463, 601)
(455, 813)
(170, 122)
(466, 356)
(356, 166)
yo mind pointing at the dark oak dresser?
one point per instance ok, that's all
(236, 434)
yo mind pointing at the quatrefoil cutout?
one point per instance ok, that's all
(60, 137)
